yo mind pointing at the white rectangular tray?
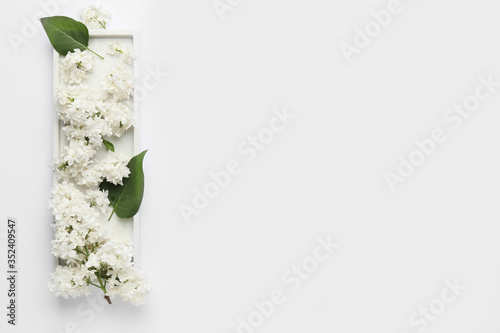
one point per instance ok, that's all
(128, 144)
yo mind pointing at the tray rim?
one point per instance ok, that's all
(136, 135)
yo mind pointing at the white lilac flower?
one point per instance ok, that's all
(89, 253)
(93, 128)
(75, 104)
(71, 209)
(98, 199)
(75, 66)
(119, 117)
(89, 118)
(134, 288)
(114, 168)
(119, 83)
(69, 281)
(74, 132)
(91, 173)
(126, 280)
(75, 223)
(88, 174)
(67, 250)
(93, 261)
(117, 50)
(95, 17)
(91, 131)
(78, 151)
(116, 253)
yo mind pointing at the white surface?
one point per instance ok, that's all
(323, 175)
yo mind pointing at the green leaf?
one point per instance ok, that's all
(108, 145)
(66, 34)
(126, 199)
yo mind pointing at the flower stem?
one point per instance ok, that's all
(81, 252)
(103, 287)
(102, 25)
(93, 284)
(95, 53)
(110, 216)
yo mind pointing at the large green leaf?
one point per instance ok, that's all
(126, 199)
(66, 34)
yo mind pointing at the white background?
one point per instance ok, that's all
(323, 175)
